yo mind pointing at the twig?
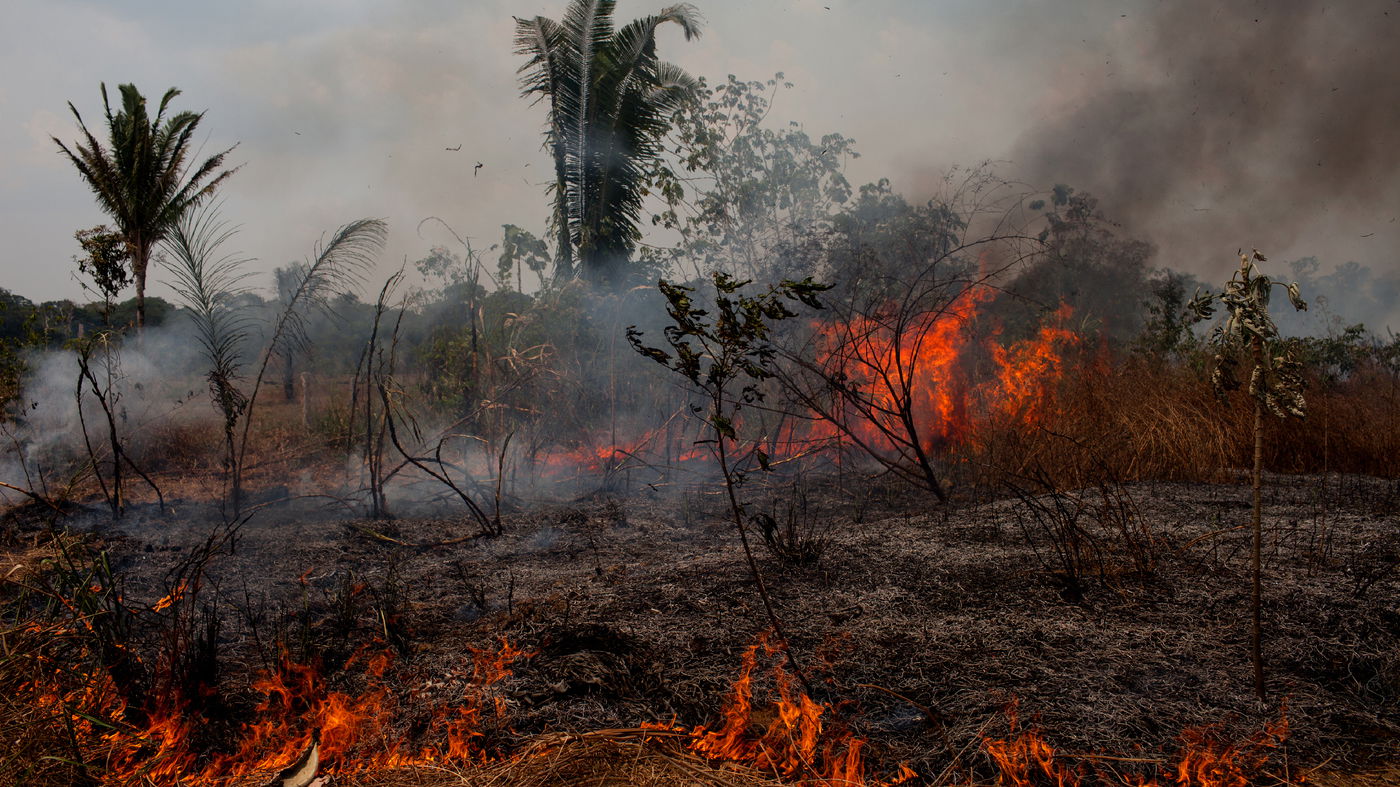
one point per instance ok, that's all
(34, 495)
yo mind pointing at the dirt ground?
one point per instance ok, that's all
(920, 622)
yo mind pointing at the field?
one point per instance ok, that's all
(923, 634)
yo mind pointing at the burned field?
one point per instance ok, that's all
(728, 459)
(879, 546)
(922, 631)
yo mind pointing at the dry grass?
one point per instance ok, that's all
(1387, 777)
(1142, 421)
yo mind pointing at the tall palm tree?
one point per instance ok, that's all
(610, 99)
(140, 178)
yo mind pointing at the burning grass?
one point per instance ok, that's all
(597, 643)
(624, 632)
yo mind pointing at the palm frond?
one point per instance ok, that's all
(610, 100)
(336, 266)
(209, 282)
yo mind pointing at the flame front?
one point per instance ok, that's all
(1205, 759)
(787, 738)
(356, 729)
(903, 376)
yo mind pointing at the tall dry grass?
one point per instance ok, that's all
(1138, 419)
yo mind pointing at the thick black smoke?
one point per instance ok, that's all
(1272, 124)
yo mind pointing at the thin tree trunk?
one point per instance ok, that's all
(738, 515)
(1256, 525)
(288, 377)
(139, 261)
(564, 265)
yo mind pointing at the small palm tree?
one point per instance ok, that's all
(610, 100)
(140, 177)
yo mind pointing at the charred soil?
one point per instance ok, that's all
(917, 624)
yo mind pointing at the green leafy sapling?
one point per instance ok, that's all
(718, 352)
(106, 260)
(1275, 384)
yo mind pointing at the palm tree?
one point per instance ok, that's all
(140, 179)
(610, 100)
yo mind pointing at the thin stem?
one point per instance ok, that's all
(738, 515)
(1256, 634)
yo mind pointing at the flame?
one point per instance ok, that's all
(356, 728)
(898, 364)
(787, 738)
(1204, 759)
(172, 598)
(1027, 371)
(914, 370)
(791, 736)
(894, 372)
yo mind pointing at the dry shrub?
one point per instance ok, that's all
(178, 446)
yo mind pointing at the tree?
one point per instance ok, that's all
(742, 195)
(520, 250)
(1088, 262)
(287, 279)
(610, 100)
(105, 259)
(1275, 384)
(713, 352)
(141, 177)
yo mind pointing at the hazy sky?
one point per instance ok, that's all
(344, 109)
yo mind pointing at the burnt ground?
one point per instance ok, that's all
(922, 621)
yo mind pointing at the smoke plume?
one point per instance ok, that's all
(1220, 125)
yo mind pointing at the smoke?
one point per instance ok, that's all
(151, 384)
(1250, 124)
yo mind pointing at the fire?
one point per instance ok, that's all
(356, 728)
(788, 738)
(900, 371)
(791, 736)
(1028, 370)
(1205, 759)
(899, 378)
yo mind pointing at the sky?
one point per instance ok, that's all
(1202, 126)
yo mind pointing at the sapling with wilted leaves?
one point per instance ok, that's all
(717, 352)
(1275, 384)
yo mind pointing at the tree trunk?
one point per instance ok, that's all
(139, 260)
(1256, 525)
(564, 264)
(288, 377)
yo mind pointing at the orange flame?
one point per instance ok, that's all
(1026, 759)
(355, 728)
(913, 369)
(789, 737)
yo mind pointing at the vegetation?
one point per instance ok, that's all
(1275, 383)
(609, 99)
(980, 356)
(141, 177)
(715, 353)
(209, 282)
